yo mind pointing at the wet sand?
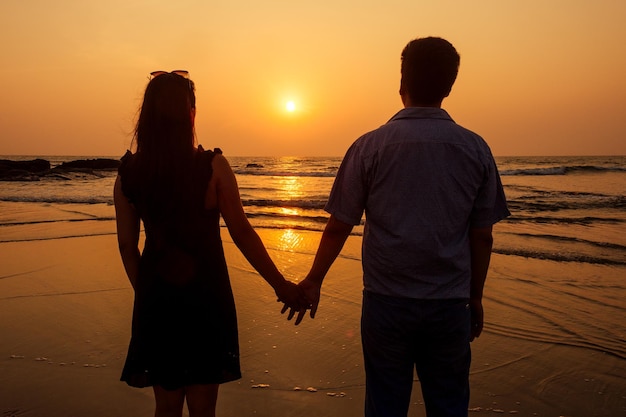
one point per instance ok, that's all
(65, 310)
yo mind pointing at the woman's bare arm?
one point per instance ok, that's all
(244, 236)
(128, 224)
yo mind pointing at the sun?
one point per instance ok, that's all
(290, 106)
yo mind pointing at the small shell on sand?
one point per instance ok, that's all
(92, 365)
(17, 356)
(336, 394)
(297, 389)
(311, 389)
(260, 386)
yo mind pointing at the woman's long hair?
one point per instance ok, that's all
(165, 138)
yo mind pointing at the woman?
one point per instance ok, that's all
(184, 330)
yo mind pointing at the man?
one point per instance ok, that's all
(431, 193)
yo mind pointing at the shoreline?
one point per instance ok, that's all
(65, 310)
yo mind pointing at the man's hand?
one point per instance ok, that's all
(292, 296)
(476, 311)
(311, 292)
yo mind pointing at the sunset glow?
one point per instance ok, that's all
(536, 78)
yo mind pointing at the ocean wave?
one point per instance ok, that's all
(532, 200)
(319, 227)
(294, 203)
(575, 240)
(260, 171)
(34, 222)
(561, 170)
(56, 237)
(298, 217)
(58, 199)
(585, 220)
(559, 256)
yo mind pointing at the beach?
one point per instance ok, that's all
(554, 342)
(65, 312)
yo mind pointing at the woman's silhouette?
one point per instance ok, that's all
(184, 329)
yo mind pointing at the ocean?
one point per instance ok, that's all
(563, 208)
(564, 246)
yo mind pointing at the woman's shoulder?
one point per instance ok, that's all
(125, 161)
(209, 161)
(209, 156)
(215, 151)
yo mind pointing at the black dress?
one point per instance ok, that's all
(184, 328)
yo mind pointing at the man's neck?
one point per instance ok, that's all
(406, 100)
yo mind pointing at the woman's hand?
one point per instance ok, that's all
(289, 294)
(311, 293)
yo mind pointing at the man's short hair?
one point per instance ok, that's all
(429, 68)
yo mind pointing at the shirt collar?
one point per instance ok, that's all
(422, 113)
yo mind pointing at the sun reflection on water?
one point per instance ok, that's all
(290, 240)
(291, 186)
(289, 211)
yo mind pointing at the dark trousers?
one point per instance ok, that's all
(432, 336)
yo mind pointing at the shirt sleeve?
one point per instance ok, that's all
(349, 192)
(490, 206)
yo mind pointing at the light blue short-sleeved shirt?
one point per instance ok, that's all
(422, 181)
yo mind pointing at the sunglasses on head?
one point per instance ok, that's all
(181, 73)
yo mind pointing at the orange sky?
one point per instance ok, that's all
(537, 77)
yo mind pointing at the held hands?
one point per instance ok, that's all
(310, 293)
(294, 300)
(291, 295)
